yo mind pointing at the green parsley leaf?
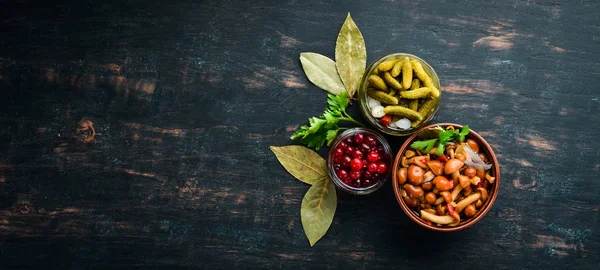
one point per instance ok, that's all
(325, 128)
(424, 145)
(463, 133)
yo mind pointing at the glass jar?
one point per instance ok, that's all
(363, 97)
(371, 142)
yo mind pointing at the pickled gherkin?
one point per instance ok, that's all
(403, 111)
(427, 81)
(417, 93)
(407, 74)
(413, 104)
(392, 82)
(416, 83)
(382, 97)
(425, 109)
(378, 83)
(397, 68)
(427, 106)
(386, 65)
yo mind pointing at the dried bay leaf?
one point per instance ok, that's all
(350, 55)
(318, 208)
(322, 72)
(304, 164)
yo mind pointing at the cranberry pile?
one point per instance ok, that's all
(360, 160)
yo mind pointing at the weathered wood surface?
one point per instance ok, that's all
(185, 97)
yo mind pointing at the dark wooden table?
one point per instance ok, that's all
(136, 134)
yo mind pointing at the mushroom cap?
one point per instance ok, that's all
(452, 166)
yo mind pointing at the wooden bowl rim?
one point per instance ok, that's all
(470, 222)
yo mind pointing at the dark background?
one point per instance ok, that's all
(186, 97)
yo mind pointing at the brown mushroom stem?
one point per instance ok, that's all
(456, 191)
(475, 180)
(455, 215)
(490, 178)
(484, 193)
(405, 162)
(438, 201)
(444, 220)
(455, 176)
(466, 201)
(430, 211)
(420, 161)
(451, 152)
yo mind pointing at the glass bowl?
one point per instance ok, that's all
(363, 97)
(493, 188)
(369, 180)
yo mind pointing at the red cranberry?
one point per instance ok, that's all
(364, 147)
(373, 156)
(342, 145)
(381, 167)
(348, 141)
(346, 161)
(337, 159)
(376, 176)
(357, 153)
(355, 175)
(337, 167)
(357, 183)
(372, 167)
(338, 152)
(349, 150)
(348, 181)
(359, 138)
(370, 140)
(342, 174)
(367, 183)
(368, 175)
(356, 164)
(365, 163)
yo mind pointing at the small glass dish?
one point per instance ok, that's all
(363, 97)
(350, 144)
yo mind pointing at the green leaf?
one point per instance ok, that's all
(331, 134)
(322, 71)
(301, 162)
(300, 132)
(339, 102)
(427, 145)
(350, 55)
(463, 133)
(315, 124)
(318, 208)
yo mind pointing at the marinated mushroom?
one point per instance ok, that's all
(415, 174)
(436, 167)
(443, 189)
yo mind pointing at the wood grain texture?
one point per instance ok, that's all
(185, 98)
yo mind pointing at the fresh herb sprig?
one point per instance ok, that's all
(444, 137)
(325, 127)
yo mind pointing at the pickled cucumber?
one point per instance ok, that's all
(427, 81)
(407, 74)
(391, 81)
(417, 93)
(416, 83)
(382, 97)
(386, 65)
(427, 106)
(413, 104)
(378, 83)
(402, 111)
(397, 68)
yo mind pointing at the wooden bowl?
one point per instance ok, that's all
(495, 172)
